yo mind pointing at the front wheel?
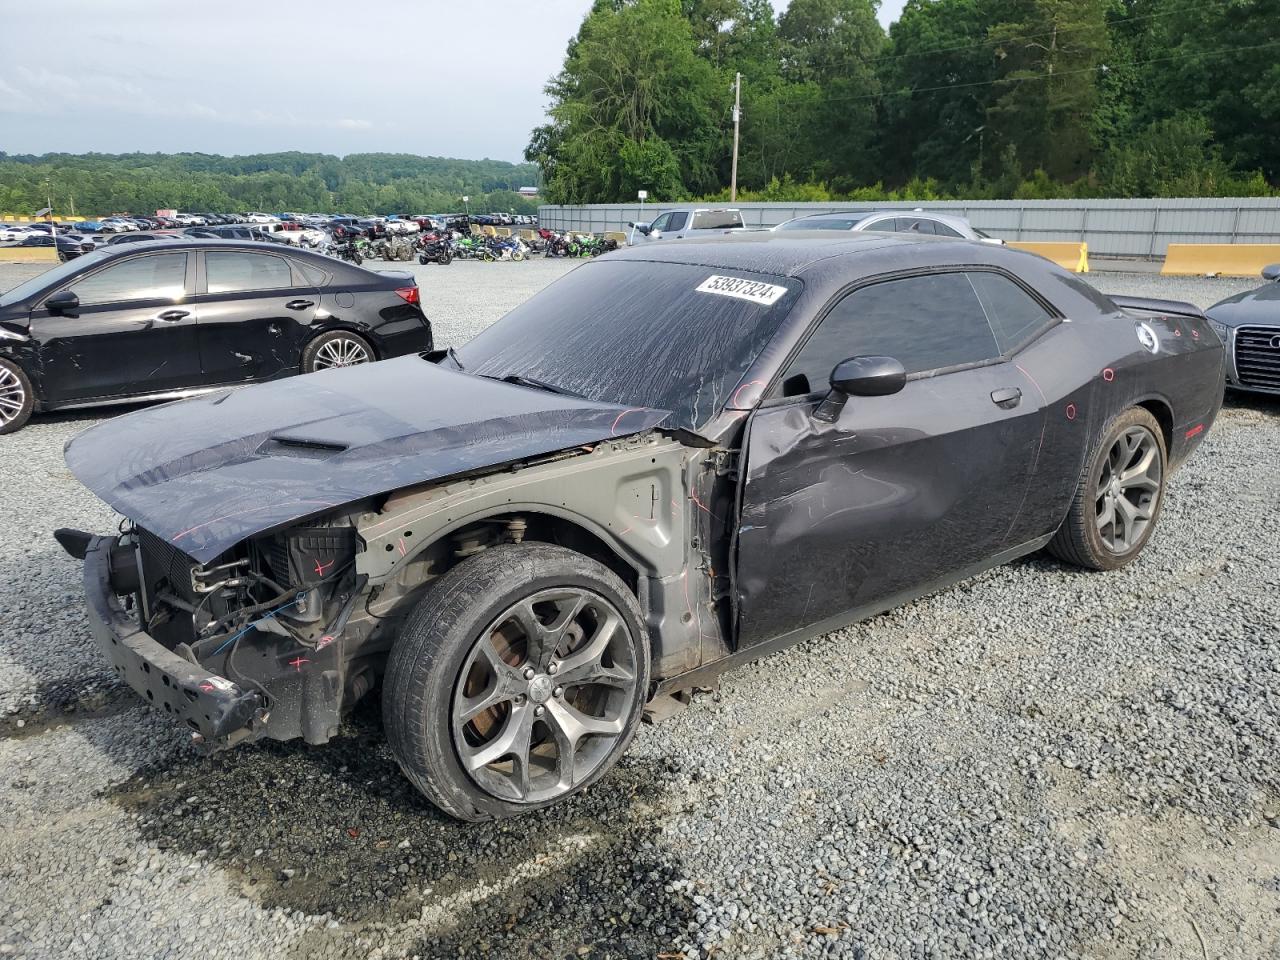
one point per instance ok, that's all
(16, 398)
(423, 259)
(445, 258)
(1119, 495)
(517, 681)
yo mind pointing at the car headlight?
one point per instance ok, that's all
(1222, 330)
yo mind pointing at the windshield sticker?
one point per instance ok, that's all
(753, 290)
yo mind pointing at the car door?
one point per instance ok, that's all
(254, 314)
(133, 333)
(656, 229)
(853, 509)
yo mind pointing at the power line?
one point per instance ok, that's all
(1047, 76)
(1029, 36)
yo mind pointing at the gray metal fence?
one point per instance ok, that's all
(1112, 228)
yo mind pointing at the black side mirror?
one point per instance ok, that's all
(868, 377)
(860, 377)
(1271, 272)
(63, 301)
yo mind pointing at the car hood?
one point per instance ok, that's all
(1254, 306)
(206, 473)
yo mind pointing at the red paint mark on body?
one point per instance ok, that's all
(1108, 374)
(297, 664)
(733, 401)
(322, 567)
(618, 419)
(1071, 411)
(1195, 431)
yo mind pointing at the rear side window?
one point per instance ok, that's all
(1014, 314)
(915, 225)
(716, 220)
(926, 323)
(311, 273)
(942, 230)
(678, 220)
(160, 276)
(234, 271)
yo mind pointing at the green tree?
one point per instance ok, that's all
(832, 45)
(1047, 54)
(633, 101)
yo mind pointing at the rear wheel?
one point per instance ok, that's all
(16, 398)
(517, 681)
(1119, 496)
(337, 348)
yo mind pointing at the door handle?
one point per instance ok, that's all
(1006, 397)
(300, 304)
(174, 315)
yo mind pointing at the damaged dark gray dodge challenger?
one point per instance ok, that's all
(672, 460)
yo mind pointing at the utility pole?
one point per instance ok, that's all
(737, 116)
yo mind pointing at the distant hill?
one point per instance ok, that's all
(101, 183)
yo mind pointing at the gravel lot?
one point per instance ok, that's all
(1037, 763)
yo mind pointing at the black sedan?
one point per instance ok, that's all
(1249, 324)
(165, 319)
(69, 246)
(668, 462)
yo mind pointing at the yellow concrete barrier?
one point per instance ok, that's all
(616, 235)
(1225, 259)
(525, 235)
(488, 230)
(28, 255)
(1072, 256)
(502, 231)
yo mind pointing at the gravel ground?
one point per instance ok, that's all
(1039, 762)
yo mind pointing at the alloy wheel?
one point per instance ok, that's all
(1128, 489)
(544, 695)
(340, 352)
(13, 396)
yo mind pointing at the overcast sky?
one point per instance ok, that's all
(441, 77)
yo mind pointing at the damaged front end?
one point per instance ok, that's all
(246, 646)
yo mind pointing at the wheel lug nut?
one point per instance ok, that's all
(553, 667)
(539, 711)
(558, 692)
(528, 673)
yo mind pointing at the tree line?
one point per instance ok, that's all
(100, 184)
(960, 98)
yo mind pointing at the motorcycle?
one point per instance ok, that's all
(433, 248)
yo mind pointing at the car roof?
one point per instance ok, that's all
(766, 252)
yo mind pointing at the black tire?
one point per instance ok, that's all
(16, 397)
(314, 355)
(423, 259)
(445, 258)
(437, 643)
(356, 258)
(1079, 540)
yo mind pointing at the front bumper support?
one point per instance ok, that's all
(211, 705)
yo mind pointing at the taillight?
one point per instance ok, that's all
(408, 294)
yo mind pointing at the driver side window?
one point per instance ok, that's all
(160, 276)
(925, 323)
(662, 223)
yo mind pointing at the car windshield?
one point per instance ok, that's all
(843, 221)
(672, 336)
